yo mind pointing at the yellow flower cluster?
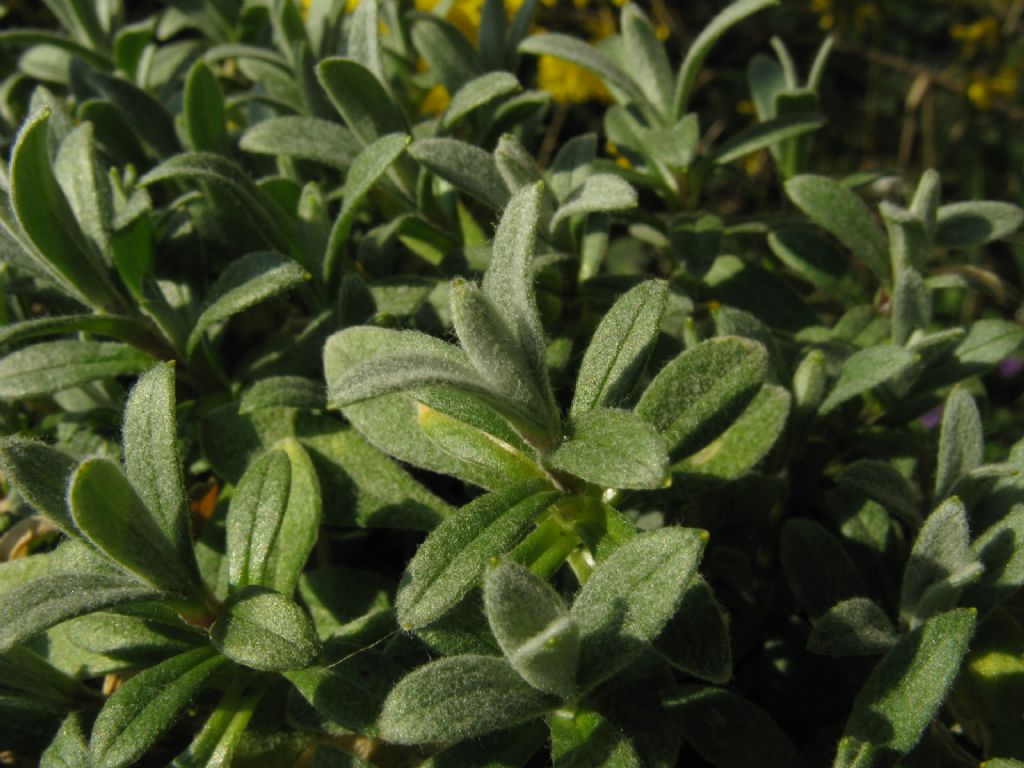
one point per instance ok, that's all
(983, 88)
(981, 34)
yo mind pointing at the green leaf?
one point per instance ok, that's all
(631, 596)
(999, 550)
(866, 369)
(300, 523)
(39, 604)
(618, 352)
(696, 640)
(580, 53)
(589, 740)
(696, 395)
(510, 748)
(746, 441)
(729, 731)
(941, 563)
(766, 81)
(69, 748)
(987, 343)
(263, 629)
(834, 207)
(613, 449)
(499, 358)
(572, 165)
(41, 475)
(905, 691)
(911, 305)
(452, 559)
(458, 698)
(112, 326)
(364, 38)
(477, 93)
(203, 110)
(883, 483)
(151, 460)
(599, 193)
(147, 117)
(244, 283)
(854, 627)
(254, 517)
(961, 442)
(814, 258)
(533, 628)
(51, 366)
(144, 707)
(963, 225)
(283, 392)
(764, 134)
(46, 217)
(701, 47)
(304, 138)
(109, 512)
(87, 187)
(467, 167)
(477, 447)
(367, 169)
(450, 57)
(645, 58)
(817, 568)
(360, 99)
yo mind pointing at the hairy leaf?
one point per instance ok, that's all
(263, 629)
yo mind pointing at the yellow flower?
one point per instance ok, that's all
(569, 83)
(982, 88)
(304, 8)
(436, 101)
(983, 33)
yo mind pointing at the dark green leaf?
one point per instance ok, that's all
(854, 627)
(41, 475)
(477, 93)
(883, 483)
(961, 442)
(866, 369)
(263, 629)
(962, 225)
(283, 392)
(300, 523)
(467, 167)
(696, 640)
(306, 138)
(51, 366)
(588, 740)
(360, 99)
(818, 570)
(764, 134)
(254, 517)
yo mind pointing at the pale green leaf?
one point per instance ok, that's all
(263, 629)
(866, 369)
(961, 442)
(51, 366)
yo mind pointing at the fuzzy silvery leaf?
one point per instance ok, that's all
(508, 283)
(854, 627)
(477, 93)
(941, 563)
(612, 449)
(696, 395)
(961, 442)
(589, 740)
(963, 225)
(987, 343)
(696, 640)
(810, 380)
(305, 138)
(905, 691)
(1001, 552)
(111, 326)
(449, 55)
(746, 441)
(364, 38)
(144, 707)
(510, 748)
(283, 392)
(814, 258)
(69, 748)
(109, 512)
(87, 187)
(835, 208)
(501, 359)
(245, 282)
(151, 460)
(367, 169)
(43, 602)
(764, 134)
(766, 80)
(477, 447)
(46, 217)
(730, 731)
(645, 58)
(263, 629)
(48, 367)
(452, 559)
(618, 351)
(701, 47)
(631, 596)
(272, 223)
(517, 165)
(883, 483)
(866, 369)
(203, 110)
(149, 121)
(300, 523)
(911, 305)
(532, 625)
(349, 692)
(360, 99)
(572, 165)
(459, 698)
(817, 568)
(41, 475)
(254, 517)
(465, 166)
(587, 56)
(25, 670)
(599, 193)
